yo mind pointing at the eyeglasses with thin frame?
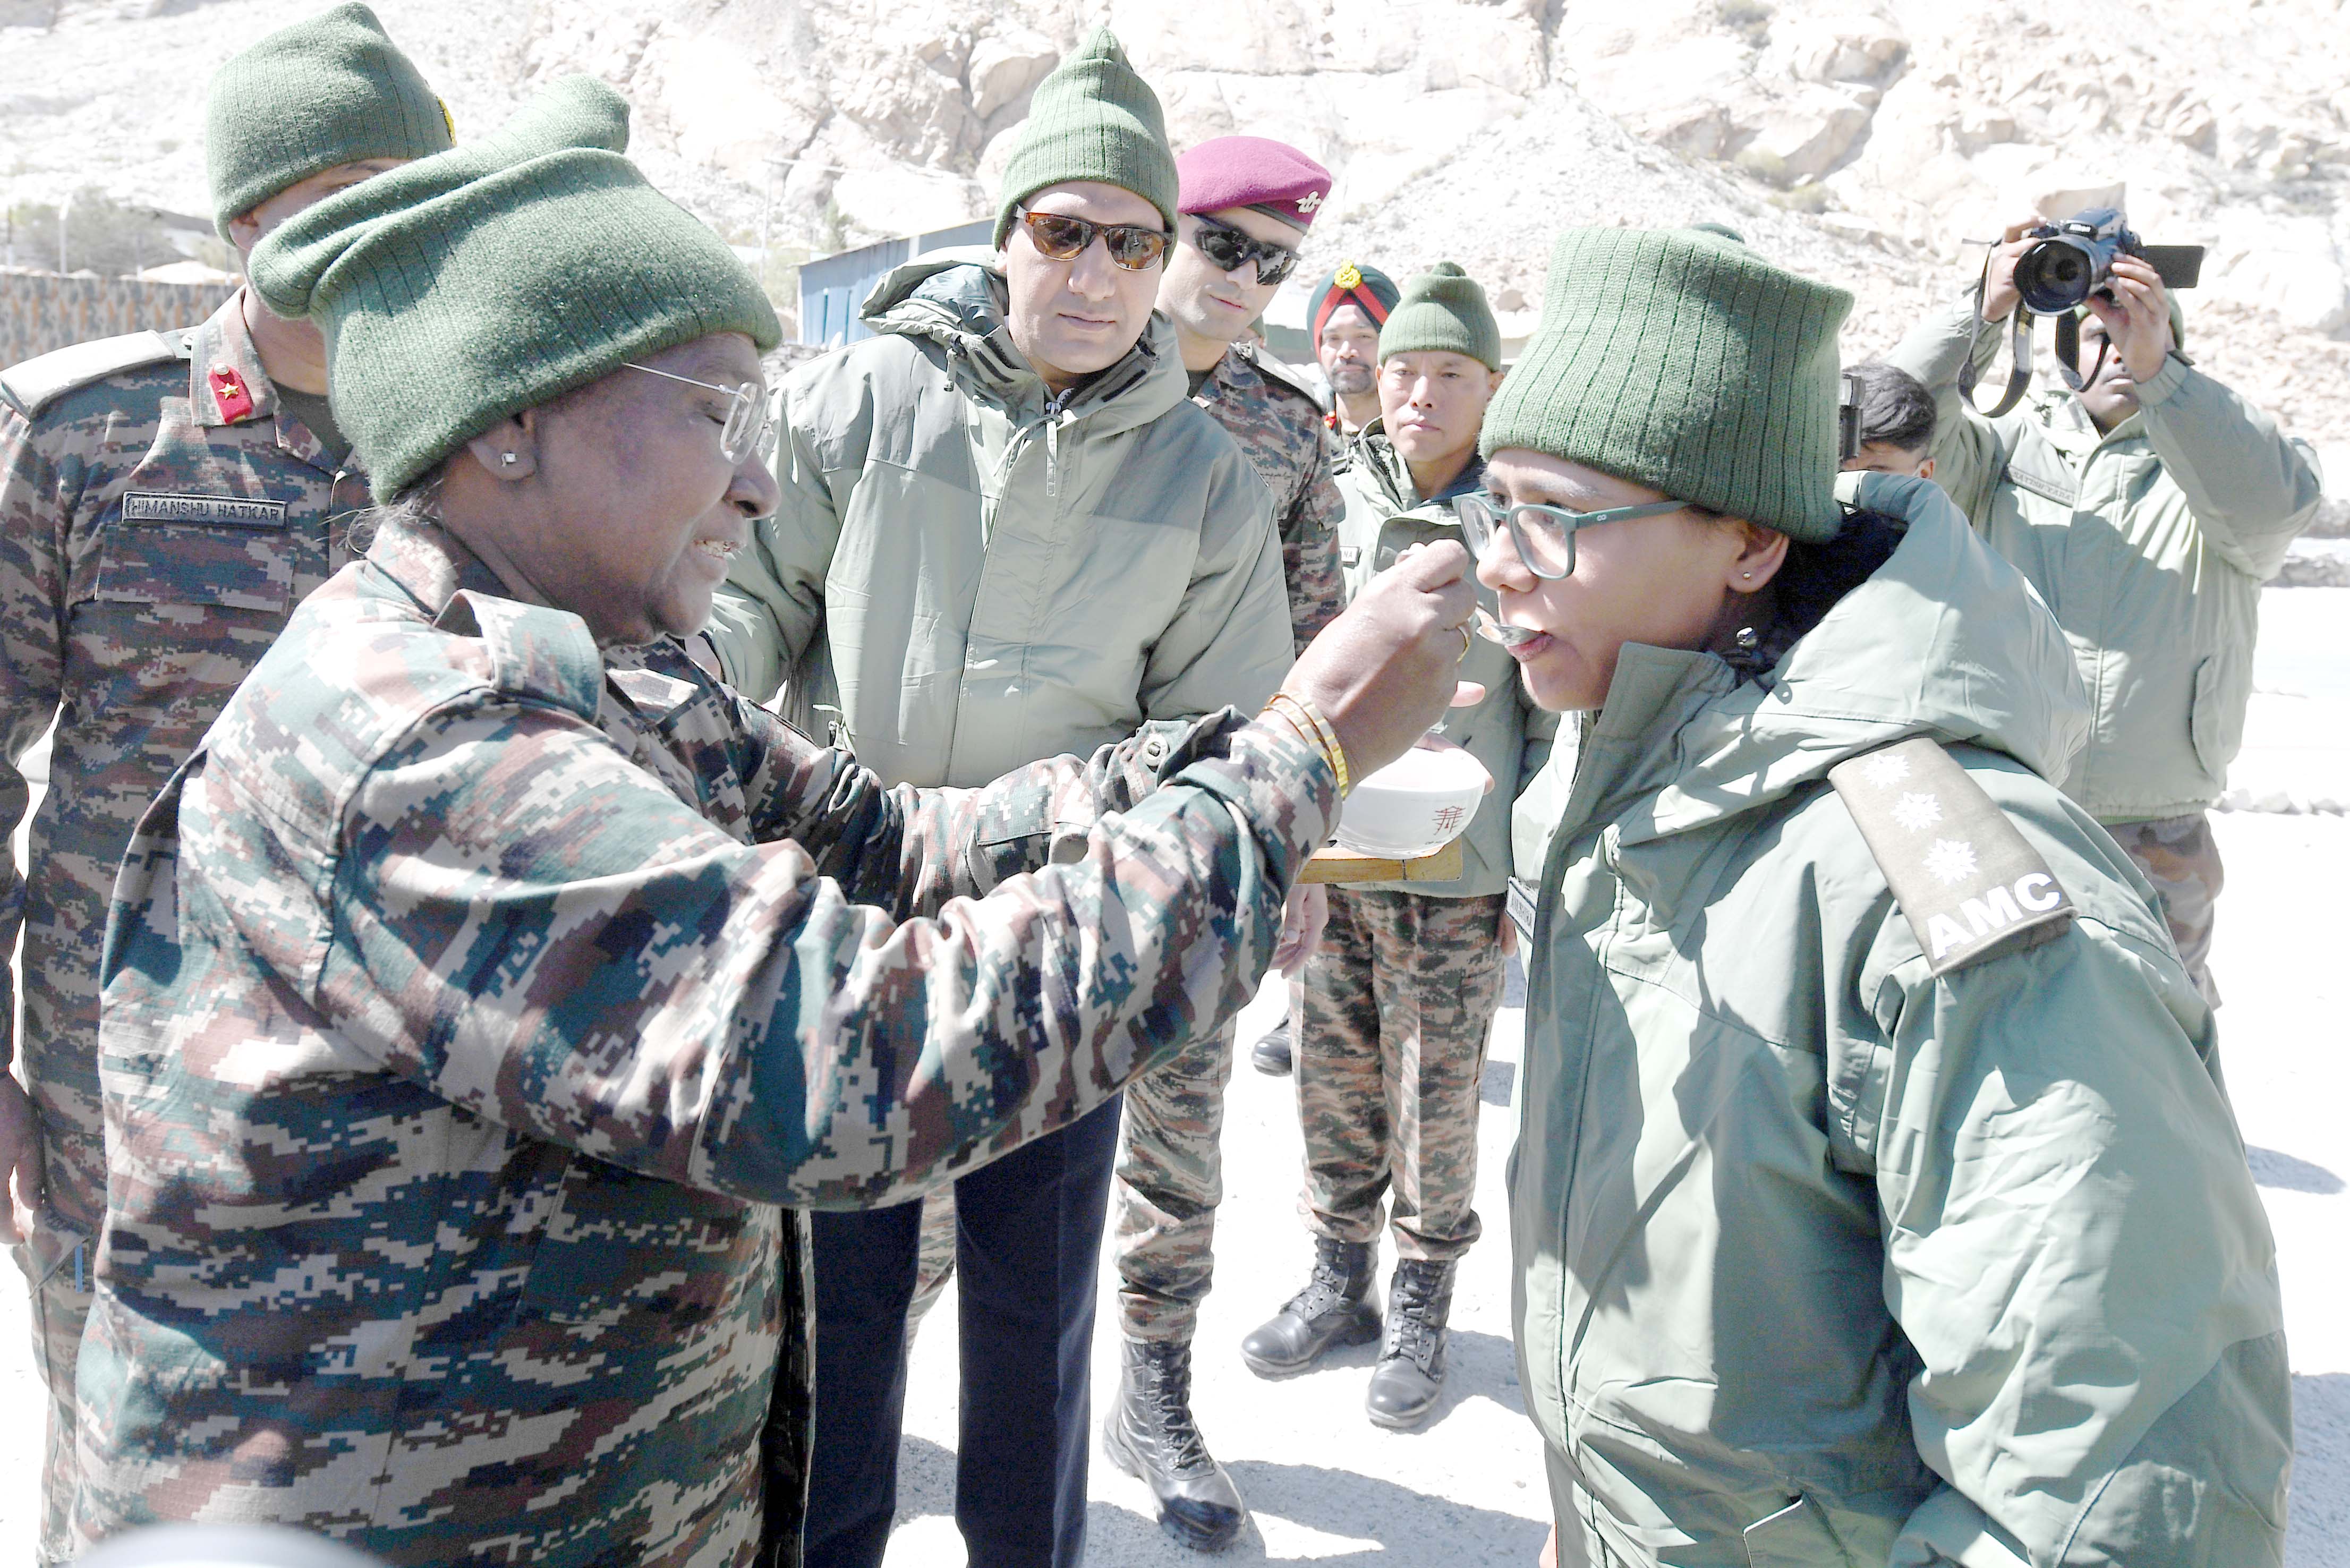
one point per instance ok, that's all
(1137, 248)
(1543, 536)
(1228, 249)
(746, 429)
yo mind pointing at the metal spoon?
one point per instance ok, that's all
(1492, 630)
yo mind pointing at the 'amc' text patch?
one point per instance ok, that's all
(1965, 878)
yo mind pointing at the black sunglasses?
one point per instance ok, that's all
(1133, 246)
(1229, 249)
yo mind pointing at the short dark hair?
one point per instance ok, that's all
(1894, 407)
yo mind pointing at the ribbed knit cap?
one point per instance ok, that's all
(333, 89)
(495, 277)
(1685, 362)
(1442, 308)
(1093, 119)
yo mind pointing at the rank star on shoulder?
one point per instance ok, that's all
(1916, 811)
(1950, 860)
(1887, 769)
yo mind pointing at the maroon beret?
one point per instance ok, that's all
(1272, 177)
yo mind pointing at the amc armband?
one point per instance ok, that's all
(1969, 884)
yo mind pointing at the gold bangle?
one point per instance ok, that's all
(1308, 720)
(1337, 752)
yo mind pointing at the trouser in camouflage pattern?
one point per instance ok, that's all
(2181, 858)
(1170, 1177)
(57, 1270)
(1400, 998)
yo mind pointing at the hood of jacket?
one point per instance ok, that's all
(957, 299)
(1944, 638)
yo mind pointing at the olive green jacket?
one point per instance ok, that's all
(2150, 543)
(1385, 516)
(1822, 1260)
(967, 573)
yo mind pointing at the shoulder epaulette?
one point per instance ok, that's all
(1967, 882)
(535, 651)
(31, 385)
(1284, 374)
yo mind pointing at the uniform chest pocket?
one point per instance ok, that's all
(626, 1251)
(197, 550)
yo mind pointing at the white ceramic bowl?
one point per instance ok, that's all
(1415, 805)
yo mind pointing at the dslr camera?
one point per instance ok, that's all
(2068, 263)
(2075, 259)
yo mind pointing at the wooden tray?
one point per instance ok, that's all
(1332, 864)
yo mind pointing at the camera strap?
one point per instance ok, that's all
(2068, 352)
(2019, 350)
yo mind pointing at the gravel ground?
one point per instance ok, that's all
(1327, 1487)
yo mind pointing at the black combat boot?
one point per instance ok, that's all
(1410, 1373)
(1150, 1435)
(1271, 1053)
(1334, 1308)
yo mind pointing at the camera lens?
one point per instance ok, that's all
(2054, 276)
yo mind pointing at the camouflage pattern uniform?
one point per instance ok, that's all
(1401, 995)
(1271, 412)
(159, 517)
(473, 1004)
(2181, 858)
(1400, 998)
(1171, 1173)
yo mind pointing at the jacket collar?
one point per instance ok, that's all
(1392, 474)
(1943, 640)
(227, 386)
(1232, 379)
(2072, 433)
(429, 564)
(957, 300)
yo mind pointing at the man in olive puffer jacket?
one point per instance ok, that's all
(2146, 508)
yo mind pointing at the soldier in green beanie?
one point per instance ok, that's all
(1401, 995)
(208, 481)
(1876, 1197)
(1005, 532)
(492, 993)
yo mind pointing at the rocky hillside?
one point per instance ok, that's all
(1859, 140)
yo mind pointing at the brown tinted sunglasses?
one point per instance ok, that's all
(1133, 246)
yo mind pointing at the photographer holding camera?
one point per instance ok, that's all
(2146, 504)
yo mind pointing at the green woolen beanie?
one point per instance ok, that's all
(1442, 308)
(1685, 362)
(333, 89)
(466, 288)
(1093, 119)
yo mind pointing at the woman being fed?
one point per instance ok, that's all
(1877, 1199)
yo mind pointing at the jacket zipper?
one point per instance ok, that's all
(1053, 413)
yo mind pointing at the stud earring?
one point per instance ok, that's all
(508, 458)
